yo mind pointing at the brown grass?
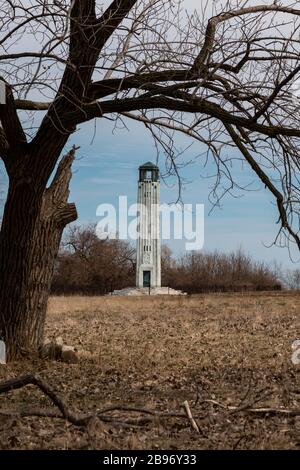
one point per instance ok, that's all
(156, 352)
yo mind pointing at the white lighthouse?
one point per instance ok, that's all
(148, 266)
(148, 253)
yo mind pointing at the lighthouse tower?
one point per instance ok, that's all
(148, 271)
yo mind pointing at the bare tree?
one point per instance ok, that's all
(292, 279)
(223, 75)
(89, 265)
(219, 272)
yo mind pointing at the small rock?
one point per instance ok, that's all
(59, 341)
(69, 355)
(45, 349)
(50, 350)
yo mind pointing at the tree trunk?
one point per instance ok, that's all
(32, 226)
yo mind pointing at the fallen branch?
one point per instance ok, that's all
(190, 416)
(75, 418)
(49, 413)
(260, 410)
(80, 419)
(154, 413)
(19, 382)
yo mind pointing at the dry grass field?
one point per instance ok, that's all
(216, 351)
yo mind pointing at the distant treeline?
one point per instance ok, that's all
(88, 265)
(217, 272)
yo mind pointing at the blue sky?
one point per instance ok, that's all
(106, 167)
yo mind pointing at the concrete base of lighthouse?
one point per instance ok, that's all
(133, 291)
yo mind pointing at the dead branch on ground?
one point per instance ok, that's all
(83, 419)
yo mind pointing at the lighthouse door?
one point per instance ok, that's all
(146, 278)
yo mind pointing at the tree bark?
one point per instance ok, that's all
(33, 222)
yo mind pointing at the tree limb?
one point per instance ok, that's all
(266, 181)
(11, 125)
(195, 105)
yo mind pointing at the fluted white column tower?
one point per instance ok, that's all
(148, 266)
